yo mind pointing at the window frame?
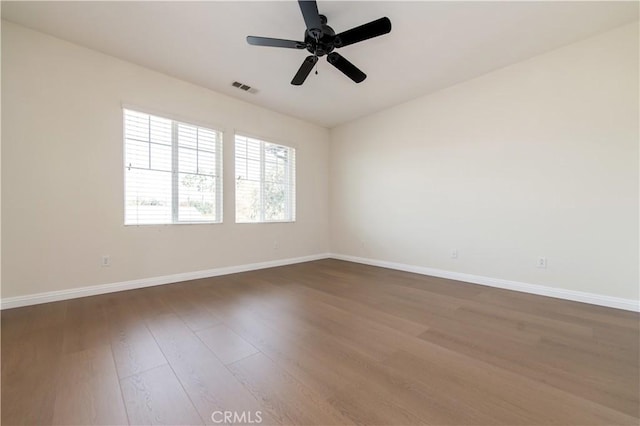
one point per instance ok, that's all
(290, 195)
(175, 172)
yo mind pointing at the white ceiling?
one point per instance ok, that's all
(432, 44)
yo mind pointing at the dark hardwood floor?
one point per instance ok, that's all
(322, 343)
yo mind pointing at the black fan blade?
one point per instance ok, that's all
(363, 32)
(346, 67)
(275, 42)
(304, 70)
(311, 17)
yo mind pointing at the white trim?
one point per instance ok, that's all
(558, 293)
(73, 293)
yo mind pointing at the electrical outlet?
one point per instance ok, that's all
(454, 253)
(105, 260)
(275, 245)
(542, 263)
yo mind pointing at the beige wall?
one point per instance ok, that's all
(0, 160)
(536, 159)
(62, 176)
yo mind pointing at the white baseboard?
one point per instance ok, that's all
(558, 293)
(73, 293)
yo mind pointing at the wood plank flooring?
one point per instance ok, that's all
(320, 343)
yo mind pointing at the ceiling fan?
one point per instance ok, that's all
(320, 40)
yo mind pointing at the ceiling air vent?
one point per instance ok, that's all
(244, 87)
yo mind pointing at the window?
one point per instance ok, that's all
(172, 171)
(265, 181)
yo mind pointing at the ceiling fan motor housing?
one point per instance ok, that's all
(324, 43)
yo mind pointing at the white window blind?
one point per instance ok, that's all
(265, 181)
(172, 171)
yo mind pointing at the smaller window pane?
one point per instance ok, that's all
(248, 204)
(271, 172)
(265, 181)
(241, 148)
(207, 140)
(187, 136)
(269, 154)
(160, 130)
(137, 154)
(187, 160)
(253, 149)
(136, 125)
(253, 170)
(147, 197)
(197, 198)
(241, 168)
(160, 157)
(282, 168)
(206, 162)
(274, 201)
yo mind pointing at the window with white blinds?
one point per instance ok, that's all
(265, 181)
(172, 171)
